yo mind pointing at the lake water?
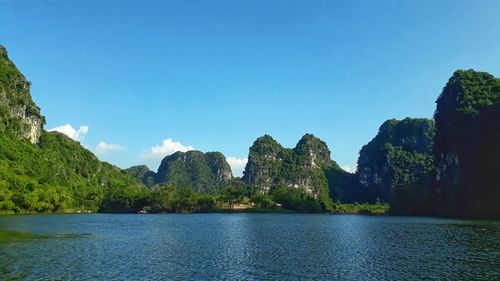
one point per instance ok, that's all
(250, 247)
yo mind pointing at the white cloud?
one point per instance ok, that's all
(351, 168)
(167, 147)
(237, 165)
(71, 132)
(104, 147)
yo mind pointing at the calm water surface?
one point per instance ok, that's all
(250, 247)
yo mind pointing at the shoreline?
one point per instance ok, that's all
(253, 211)
(211, 211)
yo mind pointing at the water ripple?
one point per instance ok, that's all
(250, 247)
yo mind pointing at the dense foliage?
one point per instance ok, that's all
(56, 175)
(142, 173)
(297, 200)
(202, 171)
(205, 172)
(172, 199)
(467, 146)
(166, 198)
(343, 186)
(397, 165)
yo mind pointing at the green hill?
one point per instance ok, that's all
(47, 171)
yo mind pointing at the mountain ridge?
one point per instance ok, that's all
(448, 166)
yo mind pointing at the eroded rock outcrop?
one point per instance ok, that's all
(271, 165)
(19, 115)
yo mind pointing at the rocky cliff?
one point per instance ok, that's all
(19, 115)
(205, 172)
(271, 165)
(399, 159)
(467, 145)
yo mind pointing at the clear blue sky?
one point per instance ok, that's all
(216, 75)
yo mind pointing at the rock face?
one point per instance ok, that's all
(19, 115)
(467, 145)
(398, 159)
(271, 165)
(205, 172)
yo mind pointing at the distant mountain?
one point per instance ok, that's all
(47, 171)
(467, 145)
(397, 165)
(205, 172)
(305, 167)
(142, 173)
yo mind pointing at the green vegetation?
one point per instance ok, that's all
(341, 184)
(8, 236)
(58, 175)
(202, 171)
(476, 91)
(296, 200)
(397, 166)
(205, 172)
(410, 177)
(178, 200)
(142, 173)
(240, 198)
(361, 208)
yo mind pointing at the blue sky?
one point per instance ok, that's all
(145, 78)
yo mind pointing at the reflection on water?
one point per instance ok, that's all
(250, 246)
